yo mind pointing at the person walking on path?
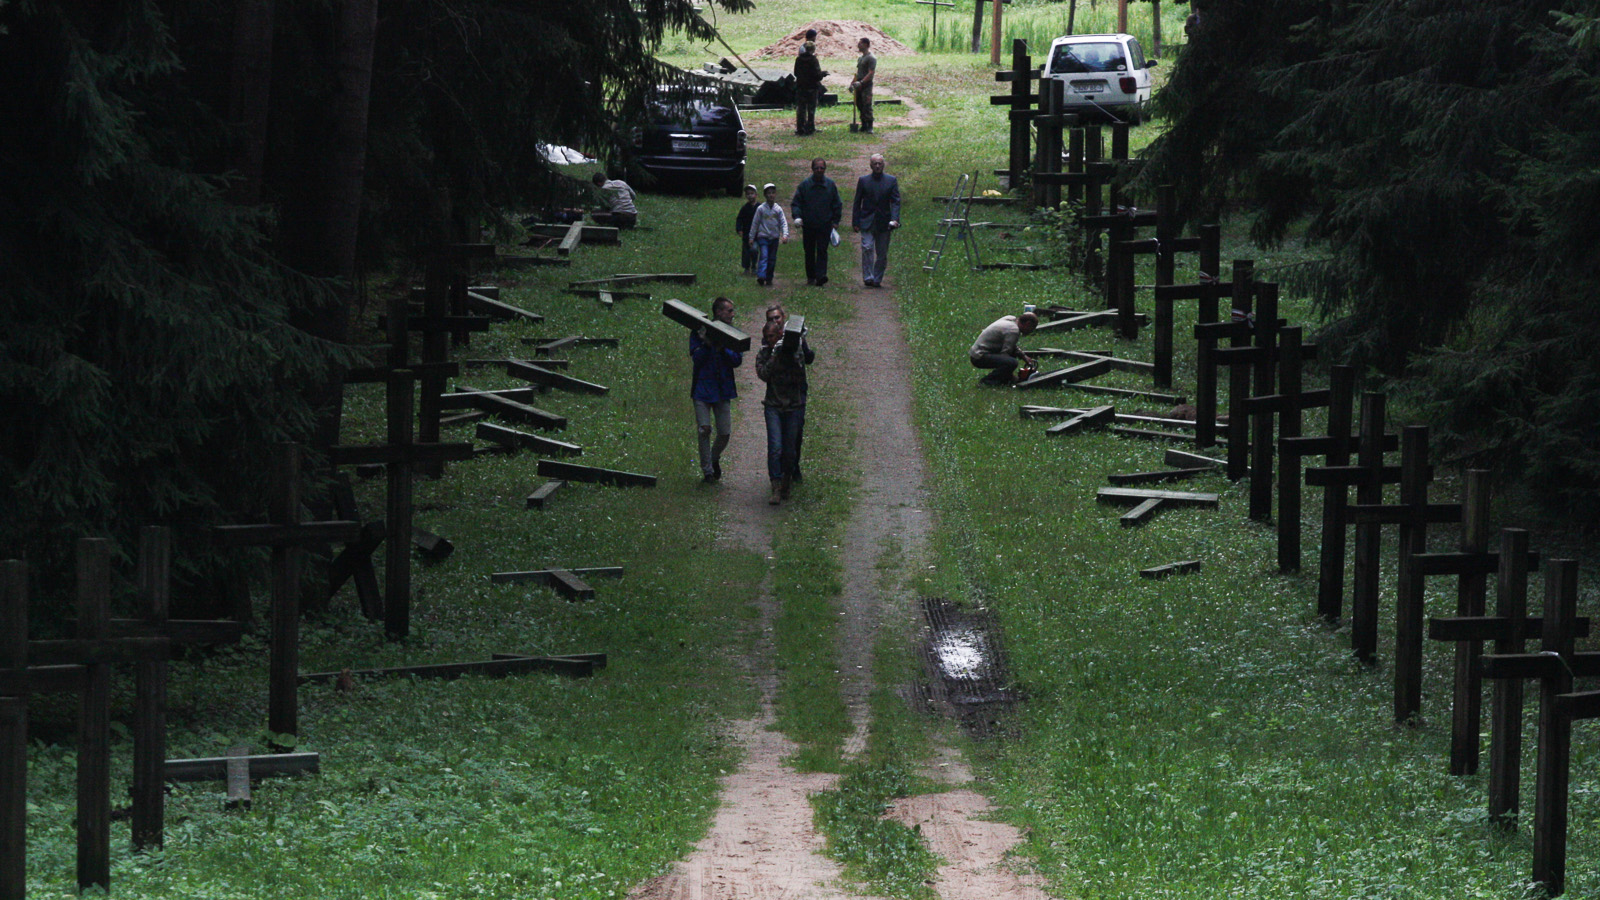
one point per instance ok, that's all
(619, 198)
(769, 228)
(808, 77)
(713, 390)
(875, 213)
(866, 74)
(817, 211)
(996, 348)
(784, 371)
(741, 226)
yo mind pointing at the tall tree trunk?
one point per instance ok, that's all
(1155, 28)
(250, 95)
(977, 25)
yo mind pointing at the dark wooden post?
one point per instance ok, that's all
(1369, 491)
(1264, 376)
(1239, 375)
(1555, 729)
(1331, 556)
(150, 717)
(94, 719)
(435, 349)
(1289, 428)
(1415, 473)
(1505, 717)
(283, 666)
(1166, 259)
(1075, 145)
(1119, 153)
(1466, 708)
(1021, 72)
(13, 732)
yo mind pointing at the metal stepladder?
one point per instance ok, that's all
(956, 213)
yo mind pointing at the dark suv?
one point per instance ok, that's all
(693, 139)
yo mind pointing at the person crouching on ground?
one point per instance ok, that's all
(619, 198)
(996, 347)
(770, 228)
(713, 391)
(784, 371)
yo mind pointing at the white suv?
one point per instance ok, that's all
(1105, 75)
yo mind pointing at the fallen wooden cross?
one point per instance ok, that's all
(720, 333)
(1182, 567)
(215, 768)
(1147, 396)
(1117, 363)
(588, 234)
(634, 277)
(541, 494)
(1124, 479)
(1149, 501)
(542, 376)
(572, 472)
(520, 440)
(501, 403)
(567, 582)
(606, 295)
(503, 664)
(1100, 416)
(1185, 459)
(483, 304)
(543, 345)
(1068, 375)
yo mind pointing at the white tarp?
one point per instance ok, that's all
(563, 156)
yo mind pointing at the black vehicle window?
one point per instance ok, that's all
(1136, 53)
(1096, 57)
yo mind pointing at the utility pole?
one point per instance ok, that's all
(994, 36)
(1122, 16)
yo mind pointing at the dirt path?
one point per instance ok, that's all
(762, 844)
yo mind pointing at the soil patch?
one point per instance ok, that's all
(836, 39)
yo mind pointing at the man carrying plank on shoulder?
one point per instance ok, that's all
(713, 391)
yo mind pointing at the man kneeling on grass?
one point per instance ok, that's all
(996, 348)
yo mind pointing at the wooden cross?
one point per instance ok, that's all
(82, 665)
(1021, 100)
(1289, 404)
(1469, 628)
(1554, 668)
(1148, 502)
(399, 457)
(1368, 476)
(1413, 514)
(288, 537)
(1208, 331)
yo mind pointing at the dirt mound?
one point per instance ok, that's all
(837, 39)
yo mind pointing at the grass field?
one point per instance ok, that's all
(1201, 737)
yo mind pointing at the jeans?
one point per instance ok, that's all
(747, 255)
(705, 414)
(767, 257)
(784, 427)
(874, 255)
(815, 242)
(1002, 365)
(805, 111)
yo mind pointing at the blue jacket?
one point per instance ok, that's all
(877, 203)
(713, 370)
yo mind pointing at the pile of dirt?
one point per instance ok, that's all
(837, 39)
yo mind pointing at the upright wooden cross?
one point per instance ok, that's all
(288, 537)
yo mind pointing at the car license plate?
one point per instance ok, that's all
(690, 146)
(1089, 87)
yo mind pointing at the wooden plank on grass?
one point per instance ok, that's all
(1100, 416)
(1149, 396)
(540, 375)
(541, 495)
(1126, 478)
(507, 408)
(1186, 460)
(1065, 376)
(502, 665)
(521, 440)
(1182, 567)
(542, 575)
(1139, 495)
(489, 306)
(1142, 513)
(215, 768)
(593, 474)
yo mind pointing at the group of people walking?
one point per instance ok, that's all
(817, 212)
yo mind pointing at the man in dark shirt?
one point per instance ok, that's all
(817, 210)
